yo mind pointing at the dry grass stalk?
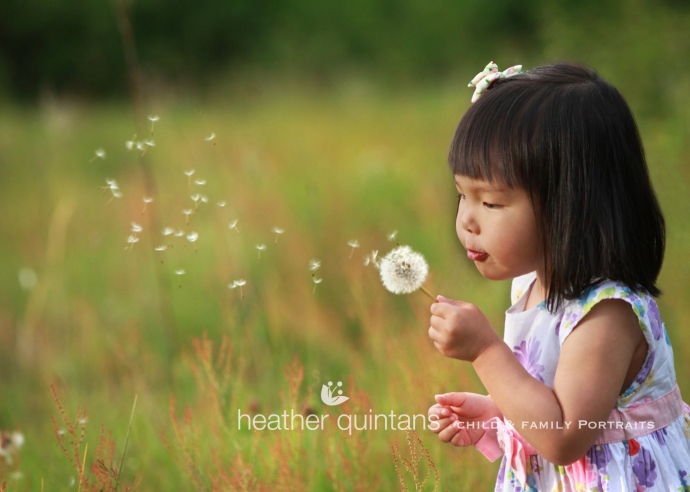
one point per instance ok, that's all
(412, 464)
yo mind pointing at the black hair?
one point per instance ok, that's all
(568, 137)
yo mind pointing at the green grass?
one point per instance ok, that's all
(104, 324)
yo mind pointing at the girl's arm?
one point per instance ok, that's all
(593, 363)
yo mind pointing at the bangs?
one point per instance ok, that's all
(495, 140)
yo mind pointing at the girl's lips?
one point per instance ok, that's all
(476, 255)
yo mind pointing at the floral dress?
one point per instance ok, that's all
(644, 446)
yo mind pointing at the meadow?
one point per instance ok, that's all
(103, 321)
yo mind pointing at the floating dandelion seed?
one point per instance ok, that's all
(187, 212)
(168, 230)
(189, 176)
(144, 146)
(404, 271)
(130, 241)
(392, 235)
(179, 273)
(233, 225)
(111, 184)
(195, 198)
(153, 120)
(238, 283)
(200, 182)
(129, 144)
(221, 203)
(316, 282)
(210, 137)
(372, 258)
(179, 233)
(260, 248)
(162, 247)
(204, 198)
(100, 154)
(192, 239)
(353, 244)
(146, 200)
(278, 231)
(314, 265)
(136, 227)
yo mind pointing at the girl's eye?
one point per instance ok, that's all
(492, 205)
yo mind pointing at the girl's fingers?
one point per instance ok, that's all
(439, 410)
(448, 433)
(442, 425)
(462, 438)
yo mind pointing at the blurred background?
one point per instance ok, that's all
(329, 121)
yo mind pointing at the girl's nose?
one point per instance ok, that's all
(466, 220)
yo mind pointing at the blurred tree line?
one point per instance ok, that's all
(75, 46)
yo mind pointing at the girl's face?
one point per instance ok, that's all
(498, 228)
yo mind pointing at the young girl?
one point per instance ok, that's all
(554, 193)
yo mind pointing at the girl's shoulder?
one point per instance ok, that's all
(642, 303)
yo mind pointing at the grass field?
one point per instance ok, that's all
(104, 323)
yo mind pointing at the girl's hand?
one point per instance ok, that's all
(455, 410)
(460, 330)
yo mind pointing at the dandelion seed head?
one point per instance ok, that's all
(204, 198)
(150, 143)
(112, 184)
(136, 227)
(278, 230)
(129, 144)
(148, 199)
(196, 197)
(117, 194)
(353, 243)
(168, 230)
(132, 239)
(141, 146)
(100, 153)
(240, 282)
(188, 211)
(210, 137)
(233, 224)
(190, 172)
(180, 271)
(314, 265)
(260, 247)
(221, 203)
(316, 280)
(154, 118)
(179, 233)
(392, 235)
(162, 247)
(403, 270)
(200, 182)
(192, 237)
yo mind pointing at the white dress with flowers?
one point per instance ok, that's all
(635, 455)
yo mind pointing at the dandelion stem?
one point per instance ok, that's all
(429, 294)
(241, 293)
(352, 251)
(124, 451)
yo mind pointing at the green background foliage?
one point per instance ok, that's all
(332, 121)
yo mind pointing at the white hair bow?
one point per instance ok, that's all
(486, 77)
